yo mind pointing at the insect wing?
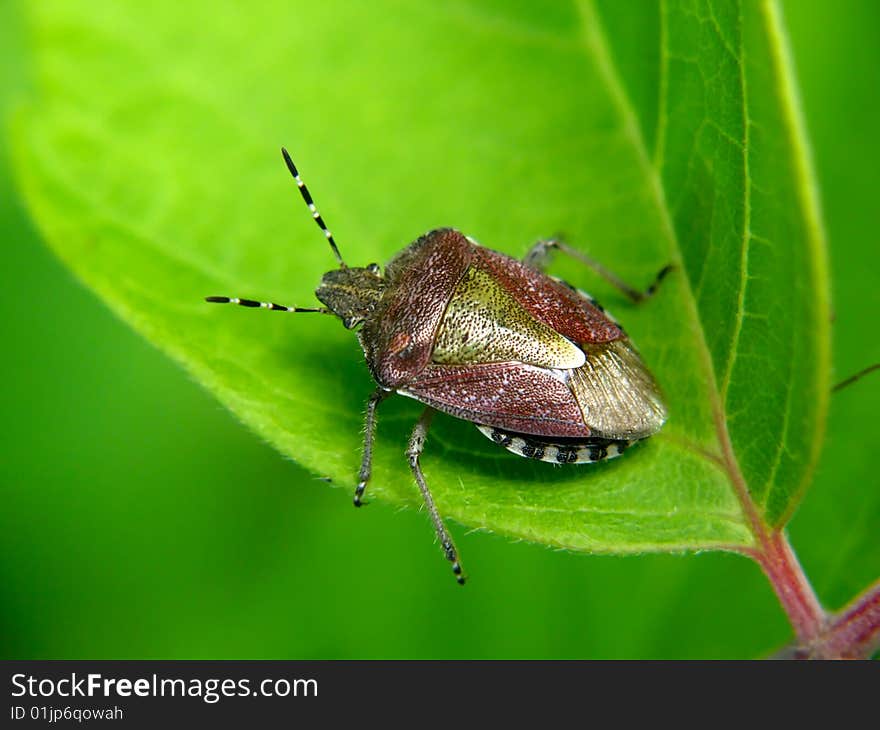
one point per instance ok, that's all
(618, 396)
(509, 395)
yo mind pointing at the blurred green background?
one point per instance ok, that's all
(140, 519)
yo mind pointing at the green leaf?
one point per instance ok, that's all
(149, 159)
(756, 259)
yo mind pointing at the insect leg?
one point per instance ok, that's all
(376, 398)
(263, 305)
(416, 445)
(539, 253)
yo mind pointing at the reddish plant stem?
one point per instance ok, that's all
(773, 553)
(792, 587)
(854, 633)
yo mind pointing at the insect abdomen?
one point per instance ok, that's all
(556, 451)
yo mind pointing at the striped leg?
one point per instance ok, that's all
(376, 398)
(416, 446)
(539, 253)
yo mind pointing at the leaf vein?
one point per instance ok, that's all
(746, 224)
(594, 40)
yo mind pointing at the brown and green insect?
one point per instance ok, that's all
(536, 365)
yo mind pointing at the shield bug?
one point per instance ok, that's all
(537, 365)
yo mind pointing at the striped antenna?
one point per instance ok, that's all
(309, 202)
(262, 305)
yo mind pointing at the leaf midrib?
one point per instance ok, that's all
(595, 42)
(747, 217)
(808, 195)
